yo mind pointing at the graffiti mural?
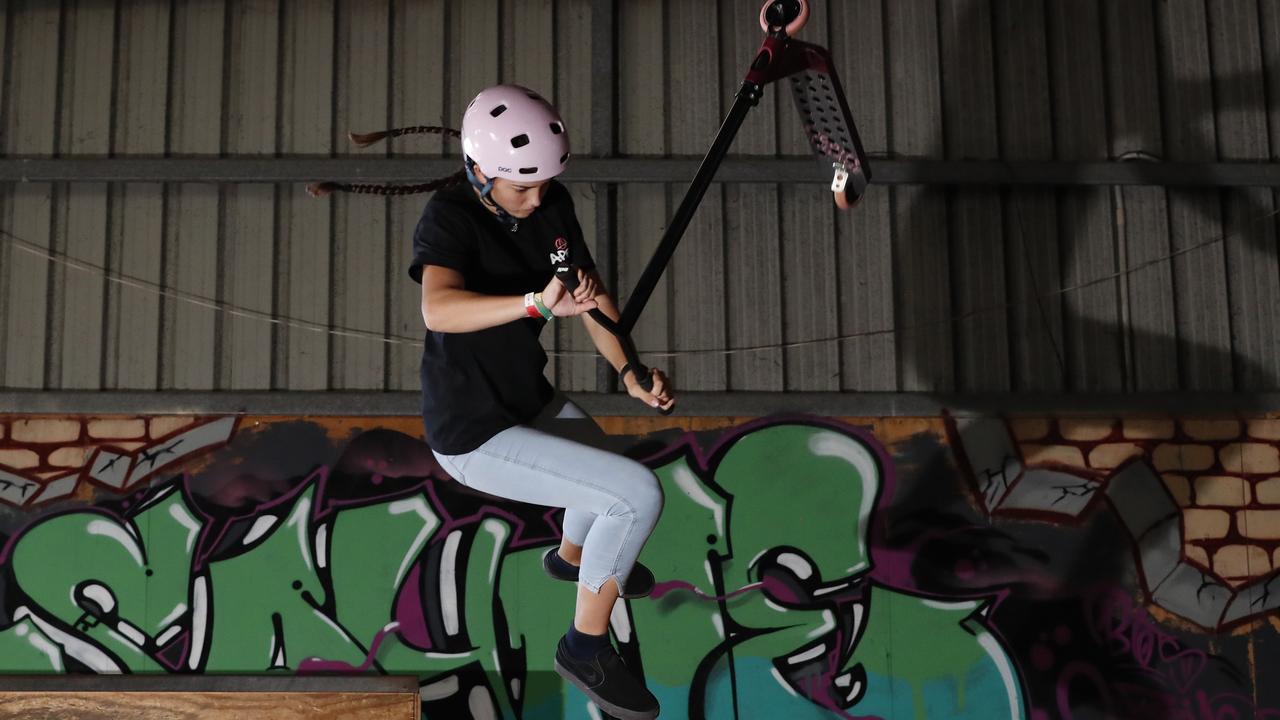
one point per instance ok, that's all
(808, 568)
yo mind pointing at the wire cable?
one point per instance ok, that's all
(136, 283)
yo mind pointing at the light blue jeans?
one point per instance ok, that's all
(611, 502)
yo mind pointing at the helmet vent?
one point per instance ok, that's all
(563, 158)
(498, 110)
(556, 128)
(519, 141)
(528, 171)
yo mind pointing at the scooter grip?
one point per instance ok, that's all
(568, 275)
(645, 379)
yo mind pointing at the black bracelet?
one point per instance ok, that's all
(622, 374)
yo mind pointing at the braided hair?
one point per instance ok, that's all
(322, 189)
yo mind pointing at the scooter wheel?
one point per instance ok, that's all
(847, 198)
(788, 14)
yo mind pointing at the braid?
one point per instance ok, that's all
(363, 140)
(366, 139)
(324, 188)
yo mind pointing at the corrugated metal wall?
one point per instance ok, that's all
(972, 279)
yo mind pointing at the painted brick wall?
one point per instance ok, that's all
(43, 459)
(1223, 473)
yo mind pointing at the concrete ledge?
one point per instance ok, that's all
(216, 697)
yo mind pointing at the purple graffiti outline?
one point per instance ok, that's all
(214, 527)
(1129, 631)
(880, 574)
(314, 665)
(704, 460)
(120, 518)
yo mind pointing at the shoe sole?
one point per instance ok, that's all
(625, 596)
(637, 595)
(618, 712)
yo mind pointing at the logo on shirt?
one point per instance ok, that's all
(562, 251)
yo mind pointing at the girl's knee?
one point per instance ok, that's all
(639, 493)
(648, 496)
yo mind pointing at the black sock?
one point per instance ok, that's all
(583, 646)
(563, 566)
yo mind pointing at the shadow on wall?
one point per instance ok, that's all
(1130, 612)
(1175, 550)
(1197, 321)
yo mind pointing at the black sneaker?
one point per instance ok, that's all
(608, 683)
(639, 583)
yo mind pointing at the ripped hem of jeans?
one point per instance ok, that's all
(596, 586)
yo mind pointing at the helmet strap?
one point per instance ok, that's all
(485, 188)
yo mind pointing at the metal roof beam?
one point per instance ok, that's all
(653, 170)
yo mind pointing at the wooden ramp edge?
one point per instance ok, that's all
(218, 697)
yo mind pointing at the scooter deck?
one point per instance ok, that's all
(828, 124)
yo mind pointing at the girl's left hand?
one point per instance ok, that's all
(564, 304)
(587, 288)
(661, 396)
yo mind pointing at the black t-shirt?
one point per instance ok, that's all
(477, 384)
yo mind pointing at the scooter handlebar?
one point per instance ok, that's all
(568, 275)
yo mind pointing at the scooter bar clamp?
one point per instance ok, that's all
(786, 15)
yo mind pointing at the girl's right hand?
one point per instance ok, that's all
(562, 303)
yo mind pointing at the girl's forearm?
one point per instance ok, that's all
(454, 310)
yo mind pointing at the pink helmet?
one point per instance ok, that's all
(512, 132)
